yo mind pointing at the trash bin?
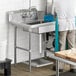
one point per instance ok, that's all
(3, 48)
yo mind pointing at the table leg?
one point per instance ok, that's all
(15, 33)
(40, 43)
(30, 51)
(57, 68)
(45, 52)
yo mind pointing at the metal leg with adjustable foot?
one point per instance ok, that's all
(29, 51)
(15, 35)
(45, 52)
(57, 68)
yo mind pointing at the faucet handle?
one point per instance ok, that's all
(24, 15)
(33, 13)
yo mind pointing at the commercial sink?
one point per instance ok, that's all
(39, 26)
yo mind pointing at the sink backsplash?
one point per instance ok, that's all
(21, 15)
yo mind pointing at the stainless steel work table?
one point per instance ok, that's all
(61, 60)
(28, 27)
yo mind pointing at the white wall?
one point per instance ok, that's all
(8, 5)
(39, 4)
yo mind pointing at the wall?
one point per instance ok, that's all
(8, 5)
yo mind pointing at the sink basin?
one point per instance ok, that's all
(34, 22)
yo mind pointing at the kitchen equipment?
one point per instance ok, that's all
(38, 27)
(30, 15)
(33, 13)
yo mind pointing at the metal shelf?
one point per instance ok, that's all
(39, 62)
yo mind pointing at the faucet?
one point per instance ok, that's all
(31, 13)
(24, 15)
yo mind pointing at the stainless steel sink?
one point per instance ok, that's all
(35, 22)
(15, 18)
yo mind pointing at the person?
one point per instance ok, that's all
(65, 11)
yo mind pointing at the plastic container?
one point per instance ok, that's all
(3, 48)
(48, 18)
